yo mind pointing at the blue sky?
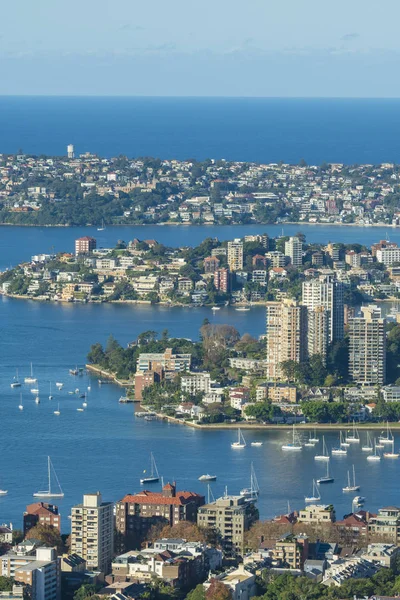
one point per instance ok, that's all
(211, 48)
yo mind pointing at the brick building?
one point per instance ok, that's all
(84, 245)
(41, 513)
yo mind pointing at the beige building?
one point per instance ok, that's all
(327, 292)
(292, 551)
(286, 335)
(92, 532)
(41, 576)
(294, 249)
(386, 525)
(367, 352)
(317, 331)
(235, 255)
(318, 513)
(231, 516)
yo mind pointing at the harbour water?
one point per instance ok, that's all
(105, 447)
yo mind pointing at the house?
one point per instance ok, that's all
(241, 581)
(6, 534)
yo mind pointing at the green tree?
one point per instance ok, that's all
(6, 583)
(198, 593)
(48, 535)
(218, 591)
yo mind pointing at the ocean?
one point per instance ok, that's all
(243, 129)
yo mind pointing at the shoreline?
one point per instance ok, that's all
(107, 375)
(205, 225)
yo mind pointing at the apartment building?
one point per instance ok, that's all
(317, 331)
(173, 363)
(92, 531)
(385, 525)
(193, 383)
(328, 293)
(41, 576)
(367, 351)
(41, 513)
(388, 256)
(231, 516)
(294, 250)
(222, 280)
(291, 550)
(318, 513)
(85, 245)
(235, 255)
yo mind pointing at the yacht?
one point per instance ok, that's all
(207, 477)
(37, 400)
(256, 444)
(351, 486)
(80, 409)
(242, 308)
(387, 437)
(59, 385)
(315, 496)
(253, 491)
(35, 391)
(3, 492)
(324, 455)
(375, 456)
(368, 446)
(327, 478)
(314, 439)
(16, 383)
(295, 445)
(214, 308)
(359, 500)
(31, 378)
(392, 453)
(57, 412)
(241, 442)
(154, 476)
(102, 228)
(340, 450)
(20, 405)
(310, 443)
(49, 493)
(353, 436)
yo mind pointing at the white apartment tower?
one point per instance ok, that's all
(367, 353)
(317, 331)
(92, 531)
(235, 255)
(294, 249)
(70, 151)
(326, 292)
(286, 329)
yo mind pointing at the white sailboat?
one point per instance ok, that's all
(3, 492)
(368, 446)
(102, 228)
(340, 450)
(353, 437)
(314, 439)
(16, 383)
(392, 453)
(35, 391)
(386, 438)
(351, 487)
(324, 455)
(50, 395)
(31, 378)
(295, 445)
(84, 403)
(310, 442)
(20, 405)
(315, 496)
(154, 476)
(253, 491)
(57, 412)
(241, 442)
(327, 478)
(49, 493)
(59, 385)
(375, 456)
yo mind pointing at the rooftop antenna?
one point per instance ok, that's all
(226, 491)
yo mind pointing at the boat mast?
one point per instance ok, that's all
(49, 475)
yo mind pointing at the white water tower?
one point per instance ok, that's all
(70, 151)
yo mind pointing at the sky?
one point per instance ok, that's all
(291, 48)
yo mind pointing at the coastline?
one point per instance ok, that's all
(205, 225)
(107, 375)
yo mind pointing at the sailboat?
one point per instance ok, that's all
(375, 456)
(59, 385)
(295, 445)
(324, 455)
(391, 454)
(353, 437)
(310, 442)
(154, 476)
(314, 439)
(102, 228)
(57, 412)
(327, 478)
(3, 492)
(351, 487)
(30, 379)
(35, 391)
(253, 491)
(84, 403)
(315, 497)
(241, 442)
(16, 383)
(340, 450)
(50, 396)
(388, 438)
(49, 493)
(20, 405)
(37, 399)
(368, 447)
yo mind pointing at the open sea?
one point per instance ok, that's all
(105, 447)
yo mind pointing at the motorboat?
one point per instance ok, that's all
(207, 477)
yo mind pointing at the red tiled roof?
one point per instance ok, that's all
(147, 497)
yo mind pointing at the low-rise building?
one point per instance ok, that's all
(385, 555)
(386, 525)
(41, 513)
(241, 582)
(318, 513)
(41, 576)
(193, 383)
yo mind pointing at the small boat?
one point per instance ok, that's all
(59, 385)
(37, 400)
(50, 396)
(20, 405)
(295, 445)
(16, 383)
(84, 403)
(368, 447)
(351, 486)
(324, 455)
(391, 454)
(80, 409)
(251, 494)
(327, 478)
(57, 412)
(375, 456)
(74, 371)
(340, 451)
(125, 399)
(207, 477)
(89, 388)
(104, 381)
(242, 308)
(154, 476)
(353, 436)
(315, 496)
(241, 442)
(359, 500)
(378, 444)
(49, 493)
(214, 308)
(314, 439)
(386, 438)
(30, 379)
(256, 444)
(35, 391)
(310, 442)
(3, 492)
(102, 228)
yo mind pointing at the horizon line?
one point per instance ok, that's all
(198, 97)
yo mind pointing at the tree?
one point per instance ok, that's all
(48, 535)
(197, 594)
(87, 590)
(6, 584)
(218, 591)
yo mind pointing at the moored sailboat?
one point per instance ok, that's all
(49, 493)
(315, 496)
(154, 476)
(351, 486)
(324, 455)
(31, 378)
(340, 450)
(241, 442)
(295, 445)
(253, 491)
(353, 437)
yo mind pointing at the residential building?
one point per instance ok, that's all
(41, 576)
(286, 330)
(231, 516)
(136, 513)
(388, 256)
(386, 525)
(367, 350)
(391, 393)
(385, 555)
(328, 293)
(276, 393)
(85, 245)
(222, 280)
(238, 397)
(211, 264)
(317, 331)
(241, 582)
(276, 258)
(294, 250)
(235, 255)
(6, 533)
(353, 567)
(291, 551)
(170, 363)
(193, 383)
(318, 513)
(92, 531)
(41, 513)
(145, 379)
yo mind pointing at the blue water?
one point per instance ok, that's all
(18, 244)
(248, 129)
